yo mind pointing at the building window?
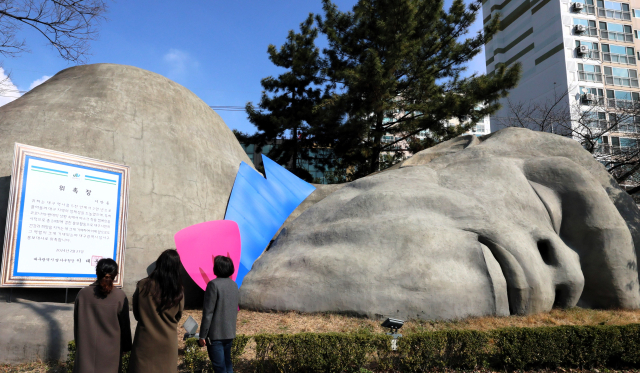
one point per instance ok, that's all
(590, 26)
(594, 119)
(589, 73)
(624, 123)
(593, 51)
(636, 13)
(618, 54)
(587, 8)
(616, 32)
(615, 10)
(596, 99)
(620, 76)
(622, 99)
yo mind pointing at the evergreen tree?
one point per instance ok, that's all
(395, 66)
(286, 110)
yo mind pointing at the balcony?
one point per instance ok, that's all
(614, 150)
(627, 128)
(588, 9)
(585, 76)
(616, 36)
(592, 55)
(623, 104)
(614, 14)
(622, 82)
(618, 58)
(600, 124)
(590, 31)
(598, 101)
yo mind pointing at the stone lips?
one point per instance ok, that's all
(516, 222)
(183, 157)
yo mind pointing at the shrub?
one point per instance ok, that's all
(563, 346)
(237, 349)
(464, 349)
(311, 352)
(71, 356)
(196, 358)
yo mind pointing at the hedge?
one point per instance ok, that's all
(195, 358)
(509, 349)
(313, 352)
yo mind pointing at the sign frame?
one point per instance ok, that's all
(22, 154)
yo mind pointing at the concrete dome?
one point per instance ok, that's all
(183, 157)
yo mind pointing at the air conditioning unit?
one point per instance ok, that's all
(579, 29)
(588, 97)
(577, 7)
(583, 50)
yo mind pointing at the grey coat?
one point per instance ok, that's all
(220, 309)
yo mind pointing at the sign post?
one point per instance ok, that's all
(66, 212)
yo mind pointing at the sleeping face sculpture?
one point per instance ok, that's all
(516, 222)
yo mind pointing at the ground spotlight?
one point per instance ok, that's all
(393, 325)
(191, 326)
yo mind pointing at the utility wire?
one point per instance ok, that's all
(227, 108)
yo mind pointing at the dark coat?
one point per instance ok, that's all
(155, 345)
(101, 330)
(220, 309)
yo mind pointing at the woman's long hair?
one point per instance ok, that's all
(165, 285)
(106, 270)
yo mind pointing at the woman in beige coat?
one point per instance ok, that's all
(157, 305)
(101, 323)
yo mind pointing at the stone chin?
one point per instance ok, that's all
(517, 222)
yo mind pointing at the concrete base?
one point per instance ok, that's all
(33, 331)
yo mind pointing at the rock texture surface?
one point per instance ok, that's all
(183, 157)
(516, 222)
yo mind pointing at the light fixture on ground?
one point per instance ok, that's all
(191, 326)
(393, 325)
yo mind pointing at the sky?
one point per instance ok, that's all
(217, 49)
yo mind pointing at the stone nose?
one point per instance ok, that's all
(591, 227)
(567, 279)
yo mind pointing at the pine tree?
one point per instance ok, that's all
(395, 67)
(286, 110)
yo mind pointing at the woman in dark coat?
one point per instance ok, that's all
(157, 305)
(101, 323)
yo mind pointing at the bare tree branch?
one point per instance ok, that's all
(67, 25)
(607, 128)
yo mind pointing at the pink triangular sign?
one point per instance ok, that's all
(200, 243)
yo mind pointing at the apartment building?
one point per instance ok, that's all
(479, 129)
(588, 48)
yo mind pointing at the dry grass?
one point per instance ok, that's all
(38, 367)
(251, 323)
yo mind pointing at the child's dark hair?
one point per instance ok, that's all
(106, 270)
(222, 266)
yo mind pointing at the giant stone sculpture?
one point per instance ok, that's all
(516, 222)
(183, 157)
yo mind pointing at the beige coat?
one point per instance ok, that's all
(101, 330)
(155, 345)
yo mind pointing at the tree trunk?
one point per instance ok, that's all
(377, 141)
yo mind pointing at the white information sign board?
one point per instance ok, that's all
(65, 213)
